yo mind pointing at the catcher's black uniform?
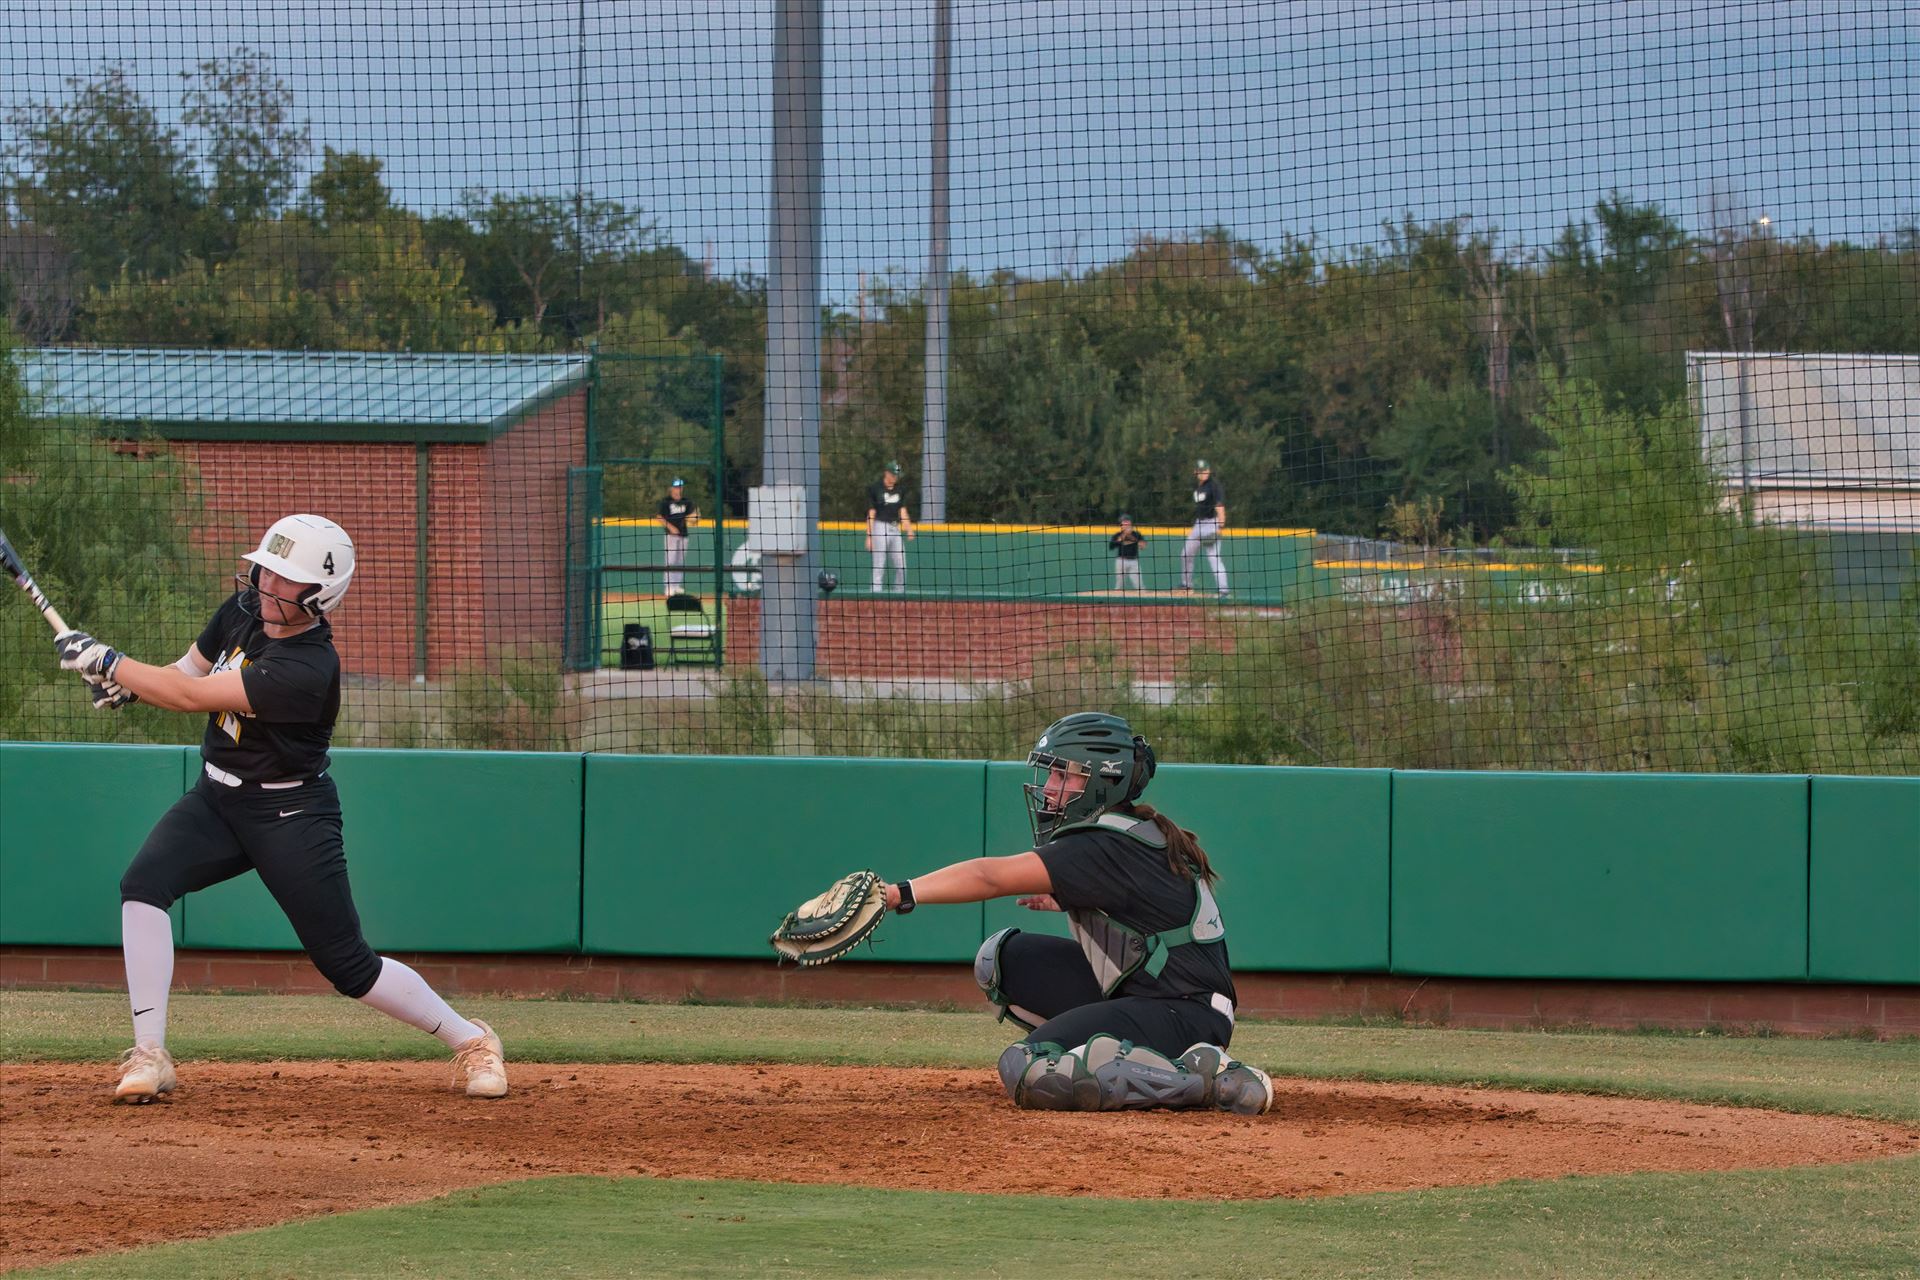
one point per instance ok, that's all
(264, 801)
(1052, 978)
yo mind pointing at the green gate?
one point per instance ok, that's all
(649, 419)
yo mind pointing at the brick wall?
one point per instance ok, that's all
(496, 538)
(367, 488)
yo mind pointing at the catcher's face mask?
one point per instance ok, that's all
(1055, 793)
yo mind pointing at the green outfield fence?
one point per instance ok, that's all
(1764, 878)
(1558, 369)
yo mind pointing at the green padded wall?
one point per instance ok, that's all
(71, 818)
(1302, 856)
(447, 851)
(1600, 876)
(1864, 913)
(692, 856)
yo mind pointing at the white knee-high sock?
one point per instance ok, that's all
(146, 939)
(401, 993)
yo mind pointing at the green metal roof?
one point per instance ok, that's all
(304, 395)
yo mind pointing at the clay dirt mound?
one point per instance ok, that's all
(247, 1145)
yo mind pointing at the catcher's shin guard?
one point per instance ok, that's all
(1045, 1077)
(1104, 1074)
(1133, 1078)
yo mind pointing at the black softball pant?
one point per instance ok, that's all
(292, 838)
(1050, 977)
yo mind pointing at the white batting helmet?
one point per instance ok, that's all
(310, 549)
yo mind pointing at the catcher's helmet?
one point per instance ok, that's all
(1116, 762)
(310, 549)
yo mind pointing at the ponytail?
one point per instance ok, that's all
(1185, 857)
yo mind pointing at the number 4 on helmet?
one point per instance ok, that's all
(309, 549)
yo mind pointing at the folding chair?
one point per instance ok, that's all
(690, 638)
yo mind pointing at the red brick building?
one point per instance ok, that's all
(448, 471)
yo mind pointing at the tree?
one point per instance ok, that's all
(105, 178)
(1632, 487)
(566, 264)
(370, 286)
(38, 292)
(1613, 303)
(108, 533)
(1442, 443)
(253, 150)
(347, 189)
(528, 234)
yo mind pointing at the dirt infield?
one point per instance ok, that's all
(250, 1145)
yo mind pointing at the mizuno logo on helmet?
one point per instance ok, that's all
(1041, 743)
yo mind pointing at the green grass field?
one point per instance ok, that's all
(1843, 1220)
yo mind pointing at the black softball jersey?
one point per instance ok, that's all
(1109, 872)
(293, 686)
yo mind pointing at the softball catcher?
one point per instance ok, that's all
(1135, 1010)
(266, 673)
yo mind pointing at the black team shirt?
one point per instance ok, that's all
(1207, 499)
(293, 686)
(674, 512)
(1118, 875)
(886, 503)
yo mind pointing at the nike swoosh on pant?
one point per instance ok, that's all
(288, 813)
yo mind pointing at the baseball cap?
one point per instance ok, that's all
(1203, 465)
(678, 483)
(1125, 518)
(894, 467)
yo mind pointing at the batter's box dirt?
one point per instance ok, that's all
(254, 1144)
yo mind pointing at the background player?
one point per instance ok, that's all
(1126, 555)
(1136, 1010)
(676, 513)
(265, 672)
(1209, 523)
(887, 520)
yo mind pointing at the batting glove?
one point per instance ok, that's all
(81, 652)
(107, 695)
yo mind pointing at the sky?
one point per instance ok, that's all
(1077, 126)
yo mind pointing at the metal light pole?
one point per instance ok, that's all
(933, 447)
(791, 433)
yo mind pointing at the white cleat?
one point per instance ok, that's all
(146, 1072)
(484, 1062)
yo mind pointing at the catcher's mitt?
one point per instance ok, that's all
(827, 927)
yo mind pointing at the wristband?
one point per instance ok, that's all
(906, 897)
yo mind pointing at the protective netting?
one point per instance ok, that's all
(1557, 369)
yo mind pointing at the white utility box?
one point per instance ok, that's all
(777, 519)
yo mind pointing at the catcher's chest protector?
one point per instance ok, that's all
(1115, 949)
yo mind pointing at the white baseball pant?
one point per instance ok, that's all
(889, 545)
(1205, 533)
